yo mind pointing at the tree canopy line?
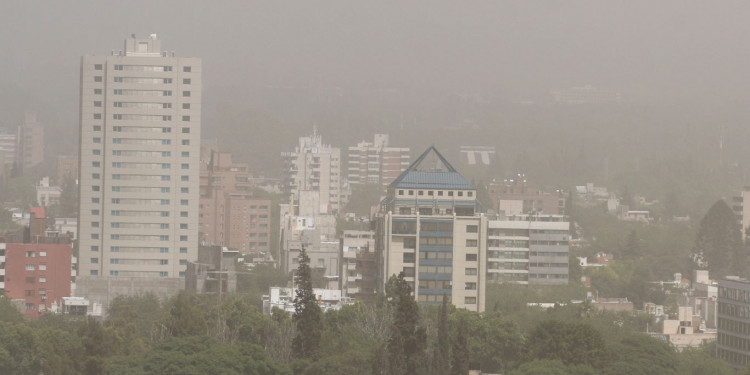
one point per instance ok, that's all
(192, 334)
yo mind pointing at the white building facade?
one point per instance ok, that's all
(140, 124)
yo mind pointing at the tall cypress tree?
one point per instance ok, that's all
(406, 346)
(307, 313)
(718, 245)
(441, 355)
(460, 362)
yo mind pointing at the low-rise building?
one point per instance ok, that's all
(214, 272)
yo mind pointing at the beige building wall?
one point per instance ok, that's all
(139, 147)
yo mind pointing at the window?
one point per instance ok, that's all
(97, 116)
(183, 202)
(163, 238)
(183, 262)
(30, 254)
(183, 214)
(95, 212)
(186, 94)
(94, 248)
(42, 253)
(185, 118)
(409, 258)
(114, 261)
(97, 78)
(472, 229)
(94, 273)
(186, 130)
(163, 250)
(42, 279)
(186, 142)
(183, 238)
(163, 274)
(471, 271)
(184, 178)
(186, 69)
(185, 154)
(183, 226)
(96, 164)
(96, 152)
(185, 105)
(183, 250)
(97, 128)
(97, 91)
(42, 267)
(184, 190)
(94, 260)
(94, 236)
(408, 271)
(97, 66)
(471, 243)
(30, 267)
(163, 261)
(114, 273)
(470, 300)
(421, 192)
(97, 103)
(471, 257)
(460, 193)
(186, 81)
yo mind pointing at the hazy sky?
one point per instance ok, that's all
(648, 50)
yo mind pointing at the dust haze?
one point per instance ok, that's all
(440, 72)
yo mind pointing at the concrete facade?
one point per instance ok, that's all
(528, 249)
(229, 215)
(316, 167)
(733, 321)
(431, 229)
(139, 177)
(375, 162)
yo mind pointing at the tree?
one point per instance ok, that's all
(441, 356)
(460, 357)
(632, 248)
(571, 343)
(307, 313)
(641, 354)
(718, 245)
(406, 345)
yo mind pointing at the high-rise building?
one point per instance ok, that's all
(8, 145)
(66, 167)
(375, 162)
(229, 214)
(733, 321)
(431, 229)
(314, 166)
(742, 211)
(140, 119)
(30, 143)
(528, 249)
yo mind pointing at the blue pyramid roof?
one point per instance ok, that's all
(432, 173)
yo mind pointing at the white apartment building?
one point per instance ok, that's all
(314, 166)
(375, 162)
(528, 249)
(140, 124)
(431, 229)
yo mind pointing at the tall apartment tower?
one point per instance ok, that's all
(742, 211)
(314, 166)
(431, 229)
(229, 214)
(139, 172)
(30, 143)
(375, 162)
